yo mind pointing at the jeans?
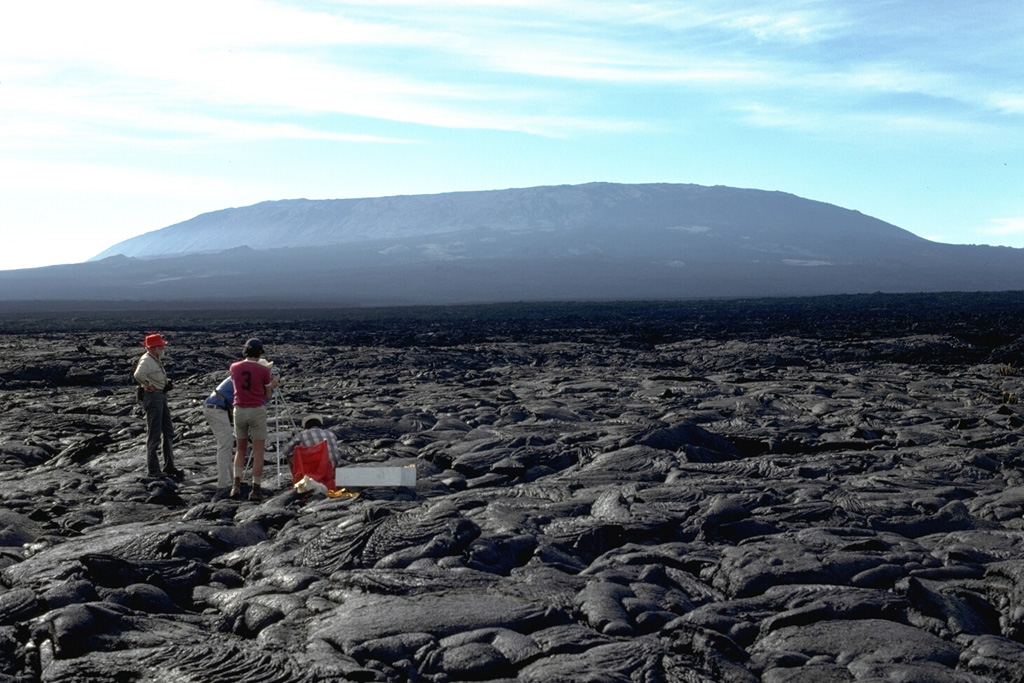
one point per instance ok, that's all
(159, 431)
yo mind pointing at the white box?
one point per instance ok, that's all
(375, 476)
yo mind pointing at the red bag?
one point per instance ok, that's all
(313, 461)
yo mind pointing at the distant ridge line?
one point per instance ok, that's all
(591, 242)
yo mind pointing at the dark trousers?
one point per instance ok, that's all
(159, 430)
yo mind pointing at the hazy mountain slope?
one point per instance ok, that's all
(714, 218)
(589, 242)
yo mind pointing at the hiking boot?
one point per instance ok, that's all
(236, 489)
(173, 472)
(256, 494)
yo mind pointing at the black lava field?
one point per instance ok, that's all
(788, 491)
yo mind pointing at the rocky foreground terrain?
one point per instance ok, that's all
(781, 491)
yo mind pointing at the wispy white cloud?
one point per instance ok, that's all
(238, 68)
(1009, 103)
(254, 59)
(1001, 227)
(772, 25)
(775, 116)
(629, 68)
(864, 125)
(773, 20)
(55, 117)
(276, 62)
(57, 177)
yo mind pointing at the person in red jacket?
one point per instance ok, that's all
(254, 386)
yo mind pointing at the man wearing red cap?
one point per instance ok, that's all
(152, 378)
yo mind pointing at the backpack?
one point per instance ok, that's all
(314, 462)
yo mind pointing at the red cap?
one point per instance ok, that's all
(153, 341)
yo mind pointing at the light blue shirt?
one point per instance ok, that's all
(223, 396)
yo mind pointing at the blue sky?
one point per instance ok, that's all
(122, 117)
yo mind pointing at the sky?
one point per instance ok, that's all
(119, 117)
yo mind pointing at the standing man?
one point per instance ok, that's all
(217, 410)
(152, 378)
(253, 387)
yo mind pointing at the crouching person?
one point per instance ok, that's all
(303, 456)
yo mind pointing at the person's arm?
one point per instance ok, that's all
(268, 388)
(332, 449)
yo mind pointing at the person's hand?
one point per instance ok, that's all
(274, 382)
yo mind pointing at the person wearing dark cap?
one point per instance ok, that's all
(253, 385)
(154, 385)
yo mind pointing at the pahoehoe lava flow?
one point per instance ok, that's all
(823, 489)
